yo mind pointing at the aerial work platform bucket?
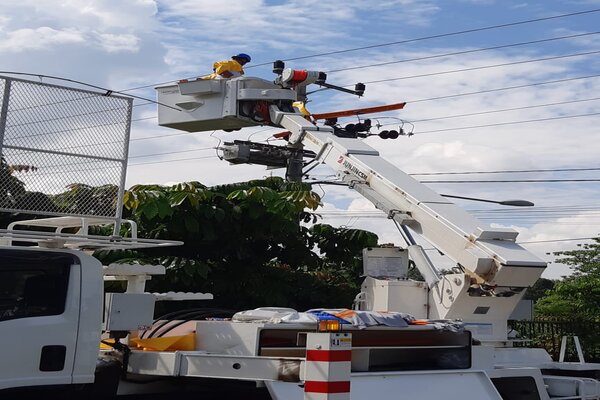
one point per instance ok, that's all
(215, 104)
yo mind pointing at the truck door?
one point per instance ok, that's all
(39, 316)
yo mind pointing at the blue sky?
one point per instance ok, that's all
(127, 44)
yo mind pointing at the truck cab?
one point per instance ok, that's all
(51, 302)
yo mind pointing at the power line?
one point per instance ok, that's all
(162, 136)
(444, 130)
(509, 171)
(504, 88)
(502, 110)
(508, 123)
(516, 181)
(589, 220)
(172, 152)
(575, 208)
(555, 240)
(169, 161)
(108, 92)
(462, 52)
(143, 119)
(499, 89)
(400, 42)
(513, 214)
(166, 136)
(480, 67)
(473, 30)
(435, 98)
(458, 115)
(440, 98)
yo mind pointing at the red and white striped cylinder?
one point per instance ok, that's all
(328, 365)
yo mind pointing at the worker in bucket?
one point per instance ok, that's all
(229, 68)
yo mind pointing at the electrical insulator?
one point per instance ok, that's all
(278, 67)
(393, 134)
(363, 126)
(351, 128)
(359, 88)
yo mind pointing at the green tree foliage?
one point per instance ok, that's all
(13, 194)
(539, 289)
(78, 198)
(577, 295)
(12, 188)
(84, 199)
(246, 244)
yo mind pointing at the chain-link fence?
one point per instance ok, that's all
(64, 150)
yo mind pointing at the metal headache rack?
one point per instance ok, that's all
(49, 232)
(64, 150)
(63, 153)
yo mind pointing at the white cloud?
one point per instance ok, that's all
(119, 43)
(93, 14)
(43, 38)
(4, 20)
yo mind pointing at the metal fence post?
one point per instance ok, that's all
(4, 111)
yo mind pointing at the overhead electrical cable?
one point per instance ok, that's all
(145, 118)
(169, 161)
(494, 89)
(554, 219)
(462, 52)
(172, 152)
(108, 92)
(447, 34)
(511, 213)
(453, 96)
(570, 208)
(411, 101)
(528, 121)
(452, 71)
(515, 181)
(507, 171)
(560, 103)
(423, 38)
(450, 96)
(172, 135)
(556, 240)
(162, 136)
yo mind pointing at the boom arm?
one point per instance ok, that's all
(490, 255)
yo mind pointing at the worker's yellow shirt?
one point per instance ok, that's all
(225, 69)
(229, 65)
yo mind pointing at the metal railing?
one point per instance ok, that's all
(548, 333)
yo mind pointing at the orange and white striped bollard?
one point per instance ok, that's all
(328, 366)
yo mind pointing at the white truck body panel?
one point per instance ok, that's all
(406, 385)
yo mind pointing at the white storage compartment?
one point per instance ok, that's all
(395, 295)
(128, 311)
